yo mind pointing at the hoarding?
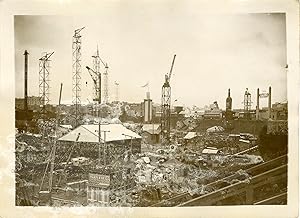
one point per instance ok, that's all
(98, 180)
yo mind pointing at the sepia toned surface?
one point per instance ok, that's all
(236, 100)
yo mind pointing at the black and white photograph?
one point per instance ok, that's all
(152, 105)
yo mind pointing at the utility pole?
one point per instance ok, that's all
(104, 147)
(257, 104)
(131, 138)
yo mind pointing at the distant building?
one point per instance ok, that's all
(147, 109)
(32, 101)
(240, 114)
(213, 113)
(134, 110)
(279, 111)
(151, 133)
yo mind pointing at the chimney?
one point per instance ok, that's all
(147, 95)
(228, 102)
(270, 103)
(257, 105)
(25, 81)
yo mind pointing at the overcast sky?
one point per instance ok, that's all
(214, 53)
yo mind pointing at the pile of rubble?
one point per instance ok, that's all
(172, 172)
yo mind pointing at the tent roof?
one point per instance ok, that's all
(89, 133)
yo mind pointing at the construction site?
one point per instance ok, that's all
(145, 154)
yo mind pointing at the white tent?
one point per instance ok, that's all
(89, 133)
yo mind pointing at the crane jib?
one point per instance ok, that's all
(170, 73)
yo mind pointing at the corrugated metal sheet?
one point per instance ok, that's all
(210, 150)
(215, 129)
(89, 133)
(190, 135)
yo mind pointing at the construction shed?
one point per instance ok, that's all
(151, 133)
(191, 138)
(114, 135)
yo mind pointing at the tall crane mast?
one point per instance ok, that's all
(166, 106)
(96, 77)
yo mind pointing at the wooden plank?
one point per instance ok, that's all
(234, 189)
(249, 194)
(270, 200)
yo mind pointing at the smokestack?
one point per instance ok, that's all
(60, 91)
(147, 95)
(228, 102)
(257, 105)
(270, 103)
(25, 80)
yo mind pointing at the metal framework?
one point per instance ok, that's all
(166, 111)
(97, 81)
(76, 59)
(96, 77)
(247, 104)
(44, 88)
(263, 95)
(166, 106)
(105, 85)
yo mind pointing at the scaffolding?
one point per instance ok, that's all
(44, 88)
(76, 59)
(105, 85)
(247, 104)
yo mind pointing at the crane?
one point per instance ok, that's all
(96, 77)
(166, 106)
(78, 30)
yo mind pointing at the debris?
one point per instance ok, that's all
(146, 159)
